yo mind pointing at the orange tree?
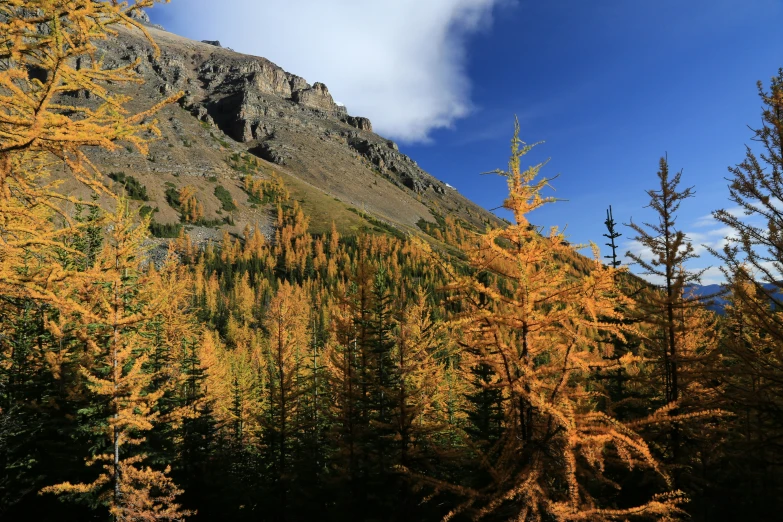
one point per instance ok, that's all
(118, 321)
(539, 327)
(753, 266)
(48, 49)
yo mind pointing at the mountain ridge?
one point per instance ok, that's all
(243, 115)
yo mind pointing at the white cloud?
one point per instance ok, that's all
(636, 248)
(710, 221)
(713, 276)
(399, 62)
(714, 239)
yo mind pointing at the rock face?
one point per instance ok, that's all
(358, 122)
(387, 157)
(142, 16)
(317, 97)
(250, 98)
(247, 103)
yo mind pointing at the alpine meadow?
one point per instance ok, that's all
(223, 297)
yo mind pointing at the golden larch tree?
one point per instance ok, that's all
(679, 334)
(287, 324)
(118, 305)
(753, 266)
(419, 357)
(539, 330)
(49, 50)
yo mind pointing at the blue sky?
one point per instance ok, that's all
(610, 86)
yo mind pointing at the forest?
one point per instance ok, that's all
(492, 374)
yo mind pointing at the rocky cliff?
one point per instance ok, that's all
(236, 104)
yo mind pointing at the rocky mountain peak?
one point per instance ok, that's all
(237, 105)
(142, 16)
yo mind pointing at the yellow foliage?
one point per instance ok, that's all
(49, 50)
(117, 308)
(540, 333)
(38, 131)
(192, 209)
(271, 190)
(419, 357)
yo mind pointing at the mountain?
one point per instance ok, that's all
(243, 115)
(715, 294)
(718, 294)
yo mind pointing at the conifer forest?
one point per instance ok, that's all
(473, 374)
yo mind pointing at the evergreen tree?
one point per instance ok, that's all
(348, 429)
(671, 316)
(420, 409)
(670, 250)
(611, 235)
(752, 259)
(315, 447)
(287, 324)
(486, 410)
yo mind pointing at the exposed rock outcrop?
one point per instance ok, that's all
(250, 99)
(317, 97)
(142, 16)
(279, 117)
(274, 152)
(387, 157)
(358, 122)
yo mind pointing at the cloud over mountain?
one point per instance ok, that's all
(399, 62)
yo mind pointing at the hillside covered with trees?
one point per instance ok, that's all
(450, 374)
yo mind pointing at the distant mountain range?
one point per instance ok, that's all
(719, 301)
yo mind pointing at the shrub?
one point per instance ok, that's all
(133, 188)
(165, 230)
(225, 198)
(172, 198)
(147, 210)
